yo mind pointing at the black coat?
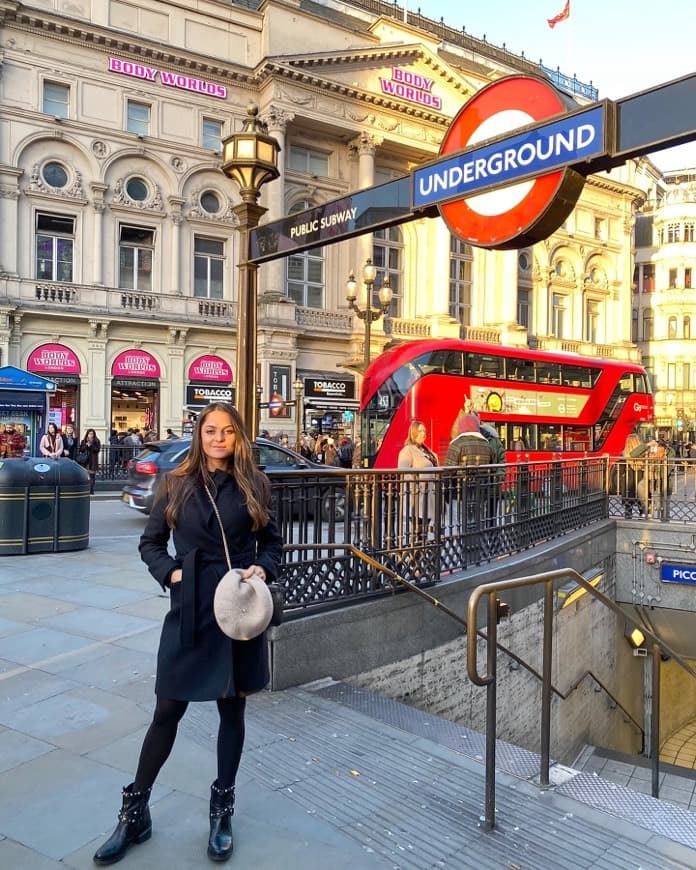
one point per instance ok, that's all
(196, 661)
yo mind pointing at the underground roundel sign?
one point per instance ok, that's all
(507, 213)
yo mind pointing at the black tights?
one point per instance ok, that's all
(161, 734)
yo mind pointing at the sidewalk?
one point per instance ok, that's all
(331, 777)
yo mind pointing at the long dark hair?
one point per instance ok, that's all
(253, 484)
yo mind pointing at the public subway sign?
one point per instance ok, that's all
(412, 87)
(167, 78)
(678, 574)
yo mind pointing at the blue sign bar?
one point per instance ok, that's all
(678, 574)
(555, 145)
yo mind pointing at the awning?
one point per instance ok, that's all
(338, 404)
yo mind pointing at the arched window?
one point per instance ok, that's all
(647, 324)
(387, 255)
(305, 272)
(672, 327)
(687, 327)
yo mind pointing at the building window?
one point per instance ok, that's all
(673, 233)
(211, 134)
(135, 249)
(137, 189)
(671, 376)
(306, 160)
(305, 272)
(648, 277)
(138, 118)
(210, 202)
(686, 331)
(672, 327)
(55, 99)
(558, 317)
(672, 279)
(461, 258)
(387, 255)
(689, 232)
(591, 320)
(600, 229)
(647, 324)
(686, 376)
(208, 267)
(634, 326)
(687, 278)
(55, 235)
(55, 175)
(524, 307)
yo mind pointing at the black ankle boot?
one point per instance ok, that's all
(134, 826)
(220, 844)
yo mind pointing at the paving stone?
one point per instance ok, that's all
(16, 748)
(28, 608)
(39, 645)
(81, 592)
(151, 608)
(115, 667)
(25, 688)
(15, 856)
(145, 641)
(97, 623)
(10, 626)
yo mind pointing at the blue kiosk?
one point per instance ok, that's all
(24, 402)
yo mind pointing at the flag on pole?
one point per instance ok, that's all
(562, 15)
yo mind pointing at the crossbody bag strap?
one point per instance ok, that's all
(222, 528)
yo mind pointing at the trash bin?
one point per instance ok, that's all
(44, 506)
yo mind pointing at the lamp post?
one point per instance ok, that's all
(251, 159)
(368, 313)
(298, 389)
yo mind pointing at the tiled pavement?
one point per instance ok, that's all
(329, 778)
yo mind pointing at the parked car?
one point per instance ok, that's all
(146, 469)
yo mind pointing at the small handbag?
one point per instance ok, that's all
(244, 608)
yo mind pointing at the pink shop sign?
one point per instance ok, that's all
(135, 364)
(53, 359)
(211, 369)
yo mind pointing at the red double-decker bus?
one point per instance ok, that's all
(543, 404)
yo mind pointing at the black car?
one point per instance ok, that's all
(158, 457)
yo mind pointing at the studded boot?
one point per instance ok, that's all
(220, 844)
(134, 826)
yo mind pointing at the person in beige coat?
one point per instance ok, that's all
(419, 489)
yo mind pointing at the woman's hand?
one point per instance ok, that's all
(253, 570)
(175, 576)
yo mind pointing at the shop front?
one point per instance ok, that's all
(135, 392)
(209, 380)
(330, 405)
(61, 365)
(24, 406)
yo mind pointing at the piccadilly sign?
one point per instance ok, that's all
(678, 574)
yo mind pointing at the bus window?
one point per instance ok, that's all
(548, 372)
(401, 381)
(579, 376)
(520, 370)
(577, 438)
(449, 362)
(550, 438)
(482, 365)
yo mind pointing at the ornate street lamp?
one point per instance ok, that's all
(251, 159)
(298, 389)
(369, 314)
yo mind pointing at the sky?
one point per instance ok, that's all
(620, 46)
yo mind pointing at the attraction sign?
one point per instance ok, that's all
(511, 167)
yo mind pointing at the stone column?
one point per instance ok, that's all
(14, 351)
(175, 205)
(272, 276)
(98, 191)
(366, 146)
(9, 219)
(96, 382)
(172, 401)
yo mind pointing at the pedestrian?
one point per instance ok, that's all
(171, 436)
(331, 454)
(51, 444)
(70, 442)
(477, 491)
(629, 473)
(419, 495)
(196, 661)
(89, 448)
(470, 447)
(115, 451)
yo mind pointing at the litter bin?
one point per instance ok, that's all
(44, 506)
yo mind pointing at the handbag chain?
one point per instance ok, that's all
(222, 528)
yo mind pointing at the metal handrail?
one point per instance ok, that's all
(548, 578)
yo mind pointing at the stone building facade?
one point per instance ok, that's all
(118, 248)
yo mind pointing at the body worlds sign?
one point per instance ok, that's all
(170, 79)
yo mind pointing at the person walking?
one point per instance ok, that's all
(89, 448)
(419, 489)
(476, 491)
(51, 444)
(70, 442)
(196, 661)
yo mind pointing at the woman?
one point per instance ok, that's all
(70, 442)
(51, 444)
(421, 496)
(196, 661)
(91, 445)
